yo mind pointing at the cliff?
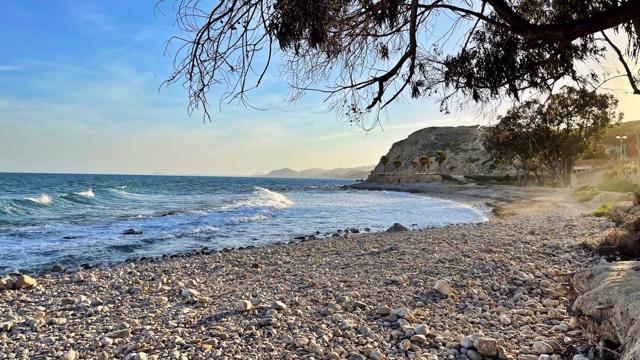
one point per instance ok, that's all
(461, 144)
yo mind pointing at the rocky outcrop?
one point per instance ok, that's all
(609, 304)
(623, 240)
(462, 146)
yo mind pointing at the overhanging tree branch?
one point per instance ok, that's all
(366, 54)
(629, 74)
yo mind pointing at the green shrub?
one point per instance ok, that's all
(618, 185)
(603, 210)
(585, 193)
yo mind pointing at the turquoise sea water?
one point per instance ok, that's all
(79, 219)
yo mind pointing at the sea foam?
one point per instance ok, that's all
(43, 199)
(87, 193)
(265, 198)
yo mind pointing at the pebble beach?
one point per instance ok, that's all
(496, 290)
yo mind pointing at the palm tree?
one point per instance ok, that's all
(414, 165)
(440, 157)
(384, 159)
(426, 162)
(397, 164)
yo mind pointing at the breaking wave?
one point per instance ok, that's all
(87, 193)
(264, 198)
(43, 199)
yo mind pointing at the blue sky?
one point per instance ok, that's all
(80, 91)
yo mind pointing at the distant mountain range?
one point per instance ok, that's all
(340, 173)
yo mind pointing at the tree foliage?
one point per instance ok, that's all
(440, 157)
(551, 136)
(426, 162)
(366, 54)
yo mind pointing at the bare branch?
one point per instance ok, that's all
(632, 80)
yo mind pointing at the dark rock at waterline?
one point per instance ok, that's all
(354, 230)
(132, 232)
(397, 227)
(58, 268)
(367, 229)
(300, 237)
(169, 213)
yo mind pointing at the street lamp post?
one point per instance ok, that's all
(621, 138)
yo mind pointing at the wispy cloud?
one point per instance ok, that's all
(90, 13)
(10, 68)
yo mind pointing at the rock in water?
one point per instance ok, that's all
(443, 288)
(58, 268)
(132, 232)
(25, 282)
(397, 227)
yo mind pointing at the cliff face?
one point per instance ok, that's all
(462, 145)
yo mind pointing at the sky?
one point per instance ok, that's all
(80, 92)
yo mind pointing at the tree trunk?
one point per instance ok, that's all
(539, 177)
(567, 171)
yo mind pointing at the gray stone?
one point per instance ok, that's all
(541, 347)
(473, 355)
(486, 346)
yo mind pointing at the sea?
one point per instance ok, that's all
(72, 219)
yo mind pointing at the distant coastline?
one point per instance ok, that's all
(361, 172)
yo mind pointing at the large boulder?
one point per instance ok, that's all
(397, 227)
(619, 212)
(608, 304)
(6, 283)
(25, 282)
